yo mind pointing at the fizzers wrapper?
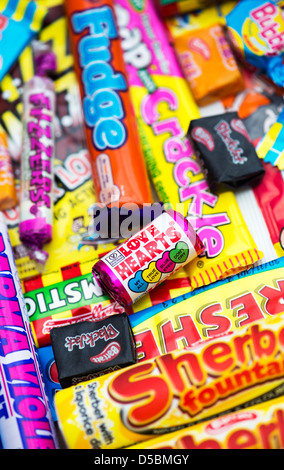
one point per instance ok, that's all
(147, 258)
(202, 52)
(205, 313)
(162, 100)
(271, 146)
(118, 165)
(256, 30)
(175, 389)
(258, 427)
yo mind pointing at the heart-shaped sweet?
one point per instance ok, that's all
(137, 283)
(179, 254)
(151, 274)
(165, 264)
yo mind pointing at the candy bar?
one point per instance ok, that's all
(86, 350)
(223, 146)
(258, 427)
(118, 166)
(37, 176)
(176, 389)
(147, 258)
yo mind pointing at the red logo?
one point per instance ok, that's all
(110, 352)
(219, 425)
(204, 137)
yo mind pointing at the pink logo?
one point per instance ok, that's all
(200, 46)
(165, 264)
(110, 352)
(204, 137)
(221, 424)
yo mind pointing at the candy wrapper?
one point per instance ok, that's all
(71, 294)
(37, 176)
(204, 18)
(118, 165)
(271, 146)
(219, 308)
(147, 258)
(202, 52)
(270, 197)
(258, 427)
(8, 196)
(25, 420)
(19, 23)
(168, 8)
(50, 376)
(176, 389)
(223, 146)
(256, 30)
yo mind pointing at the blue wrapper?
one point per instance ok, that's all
(20, 20)
(50, 376)
(256, 30)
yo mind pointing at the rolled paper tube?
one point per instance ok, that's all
(147, 258)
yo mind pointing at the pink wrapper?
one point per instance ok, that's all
(36, 195)
(25, 418)
(148, 258)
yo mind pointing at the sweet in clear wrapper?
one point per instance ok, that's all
(37, 176)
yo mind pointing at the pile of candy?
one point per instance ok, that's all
(142, 224)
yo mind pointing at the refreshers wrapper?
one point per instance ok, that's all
(258, 427)
(176, 389)
(205, 313)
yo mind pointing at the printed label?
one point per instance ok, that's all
(151, 255)
(38, 150)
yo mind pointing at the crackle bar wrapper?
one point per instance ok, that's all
(8, 196)
(258, 427)
(25, 419)
(118, 165)
(207, 312)
(176, 389)
(163, 102)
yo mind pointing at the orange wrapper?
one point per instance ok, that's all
(208, 64)
(118, 166)
(8, 197)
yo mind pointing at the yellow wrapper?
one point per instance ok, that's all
(258, 427)
(233, 303)
(164, 107)
(176, 389)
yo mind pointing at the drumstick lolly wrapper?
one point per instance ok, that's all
(37, 176)
(118, 166)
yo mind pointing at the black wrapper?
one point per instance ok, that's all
(85, 350)
(225, 151)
